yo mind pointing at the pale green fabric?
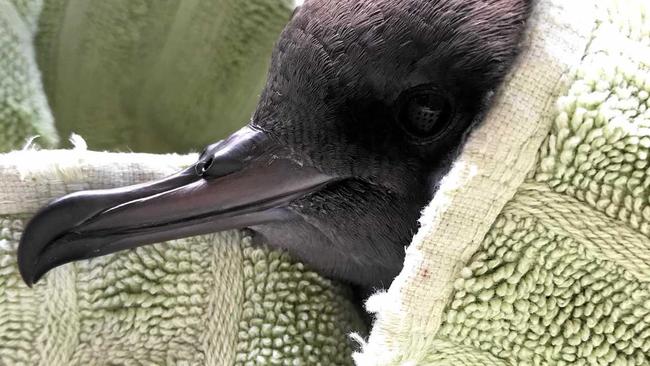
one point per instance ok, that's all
(212, 300)
(133, 75)
(537, 249)
(24, 111)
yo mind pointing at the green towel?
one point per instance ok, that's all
(24, 111)
(211, 300)
(133, 75)
(537, 249)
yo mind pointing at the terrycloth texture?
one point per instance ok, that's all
(537, 249)
(23, 106)
(211, 300)
(133, 75)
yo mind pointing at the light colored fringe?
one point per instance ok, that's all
(31, 178)
(491, 167)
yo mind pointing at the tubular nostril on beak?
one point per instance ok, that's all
(230, 155)
(203, 166)
(215, 167)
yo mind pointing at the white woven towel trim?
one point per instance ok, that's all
(32, 178)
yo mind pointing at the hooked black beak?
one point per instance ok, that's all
(239, 182)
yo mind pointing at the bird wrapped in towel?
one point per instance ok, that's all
(365, 106)
(534, 248)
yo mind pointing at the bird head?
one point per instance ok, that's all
(366, 104)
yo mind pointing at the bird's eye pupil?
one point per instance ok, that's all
(425, 114)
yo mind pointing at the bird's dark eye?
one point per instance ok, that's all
(425, 114)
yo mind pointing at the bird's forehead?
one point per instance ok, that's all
(360, 45)
(380, 47)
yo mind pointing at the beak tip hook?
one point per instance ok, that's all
(27, 272)
(27, 277)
